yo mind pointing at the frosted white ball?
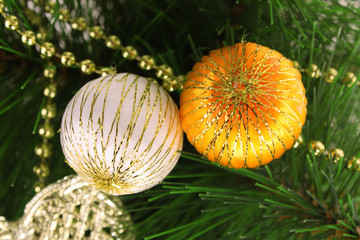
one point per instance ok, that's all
(121, 133)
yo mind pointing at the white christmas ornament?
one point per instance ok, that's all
(122, 133)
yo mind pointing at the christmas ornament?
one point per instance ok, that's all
(70, 209)
(243, 106)
(122, 133)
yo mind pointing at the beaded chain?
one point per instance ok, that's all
(146, 62)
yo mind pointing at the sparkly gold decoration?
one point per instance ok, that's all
(299, 142)
(68, 59)
(39, 185)
(296, 64)
(317, 146)
(335, 154)
(129, 52)
(164, 72)
(49, 111)
(113, 42)
(11, 22)
(70, 209)
(354, 163)
(96, 32)
(107, 71)
(42, 170)
(41, 36)
(313, 71)
(64, 15)
(87, 66)
(49, 71)
(46, 130)
(243, 105)
(43, 150)
(50, 90)
(28, 38)
(349, 79)
(181, 80)
(2, 6)
(146, 62)
(78, 24)
(121, 133)
(170, 84)
(47, 50)
(330, 75)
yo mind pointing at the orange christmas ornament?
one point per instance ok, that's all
(243, 106)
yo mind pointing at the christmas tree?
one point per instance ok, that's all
(50, 49)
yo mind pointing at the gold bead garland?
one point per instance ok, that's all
(46, 130)
(335, 154)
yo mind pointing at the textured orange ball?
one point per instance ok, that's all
(243, 106)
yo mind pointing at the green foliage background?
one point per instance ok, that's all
(300, 196)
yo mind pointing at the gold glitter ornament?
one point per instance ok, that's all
(50, 72)
(313, 71)
(354, 163)
(164, 72)
(49, 111)
(107, 71)
(335, 154)
(317, 146)
(78, 24)
(43, 150)
(64, 15)
(96, 32)
(121, 133)
(11, 22)
(330, 75)
(129, 52)
(42, 170)
(146, 62)
(113, 42)
(68, 59)
(50, 90)
(170, 84)
(349, 79)
(296, 64)
(298, 142)
(46, 130)
(39, 185)
(70, 209)
(28, 38)
(87, 66)
(47, 50)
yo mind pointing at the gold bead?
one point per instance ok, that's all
(78, 24)
(41, 170)
(43, 150)
(330, 75)
(96, 32)
(296, 64)
(129, 52)
(47, 50)
(88, 66)
(317, 146)
(38, 186)
(170, 84)
(354, 163)
(349, 79)
(28, 38)
(181, 81)
(107, 71)
(50, 90)
(2, 6)
(113, 42)
(335, 154)
(46, 130)
(164, 72)
(68, 59)
(313, 71)
(48, 111)
(50, 71)
(146, 62)
(41, 35)
(298, 142)
(64, 15)
(11, 22)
